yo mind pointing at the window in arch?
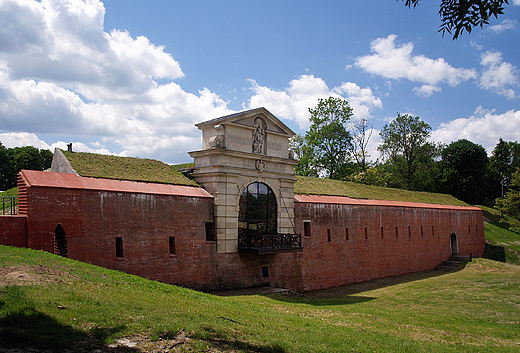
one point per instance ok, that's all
(258, 211)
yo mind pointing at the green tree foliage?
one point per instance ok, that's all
(361, 131)
(374, 175)
(6, 169)
(324, 150)
(305, 157)
(464, 171)
(503, 163)
(17, 158)
(510, 205)
(27, 157)
(407, 152)
(458, 16)
(46, 156)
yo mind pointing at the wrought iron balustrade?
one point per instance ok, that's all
(8, 205)
(269, 243)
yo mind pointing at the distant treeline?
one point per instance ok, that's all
(12, 160)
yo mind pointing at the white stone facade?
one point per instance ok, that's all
(237, 150)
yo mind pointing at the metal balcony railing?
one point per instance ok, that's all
(9, 205)
(269, 243)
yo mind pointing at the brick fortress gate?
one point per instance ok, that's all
(245, 227)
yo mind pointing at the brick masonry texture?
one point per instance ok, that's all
(13, 231)
(163, 237)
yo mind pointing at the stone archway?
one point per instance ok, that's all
(454, 245)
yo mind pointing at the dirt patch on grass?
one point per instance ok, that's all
(33, 275)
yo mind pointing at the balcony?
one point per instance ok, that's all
(269, 243)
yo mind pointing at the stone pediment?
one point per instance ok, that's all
(246, 118)
(255, 131)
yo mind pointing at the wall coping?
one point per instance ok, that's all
(35, 178)
(343, 200)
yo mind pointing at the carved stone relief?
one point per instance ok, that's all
(259, 135)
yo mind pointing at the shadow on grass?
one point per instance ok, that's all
(218, 339)
(345, 295)
(23, 326)
(493, 252)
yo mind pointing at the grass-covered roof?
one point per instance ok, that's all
(149, 170)
(317, 186)
(127, 168)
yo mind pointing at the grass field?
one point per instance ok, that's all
(49, 302)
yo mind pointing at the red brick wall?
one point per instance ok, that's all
(324, 264)
(48, 207)
(327, 264)
(13, 231)
(145, 223)
(93, 219)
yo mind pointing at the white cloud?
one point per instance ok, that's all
(61, 73)
(498, 75)
(398, 62)
(504, 26)
(303, 93)
(475, 45)
(484, 128)
(426, 90)
(15, 139)
(516, 2)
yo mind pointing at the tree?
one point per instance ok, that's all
(504, 161)
(324, 150)
(305, 157)
(500, 164)
(46, 157)
(465, 166)
(6, 169)
(19, 158)
(26, 157)
(374, 175)
(458, 16)
(404, 144)
(361, 131)
(510, 205)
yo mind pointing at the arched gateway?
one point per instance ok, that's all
(258, 212)
(246, 165)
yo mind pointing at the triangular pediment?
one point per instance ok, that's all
(247, 118)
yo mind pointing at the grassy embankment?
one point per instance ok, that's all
(503, 244)
(65, 304)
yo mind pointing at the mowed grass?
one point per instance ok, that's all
(474, 310)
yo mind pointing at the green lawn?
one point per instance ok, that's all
(65, 304)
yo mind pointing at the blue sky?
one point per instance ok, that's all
(133, 77)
